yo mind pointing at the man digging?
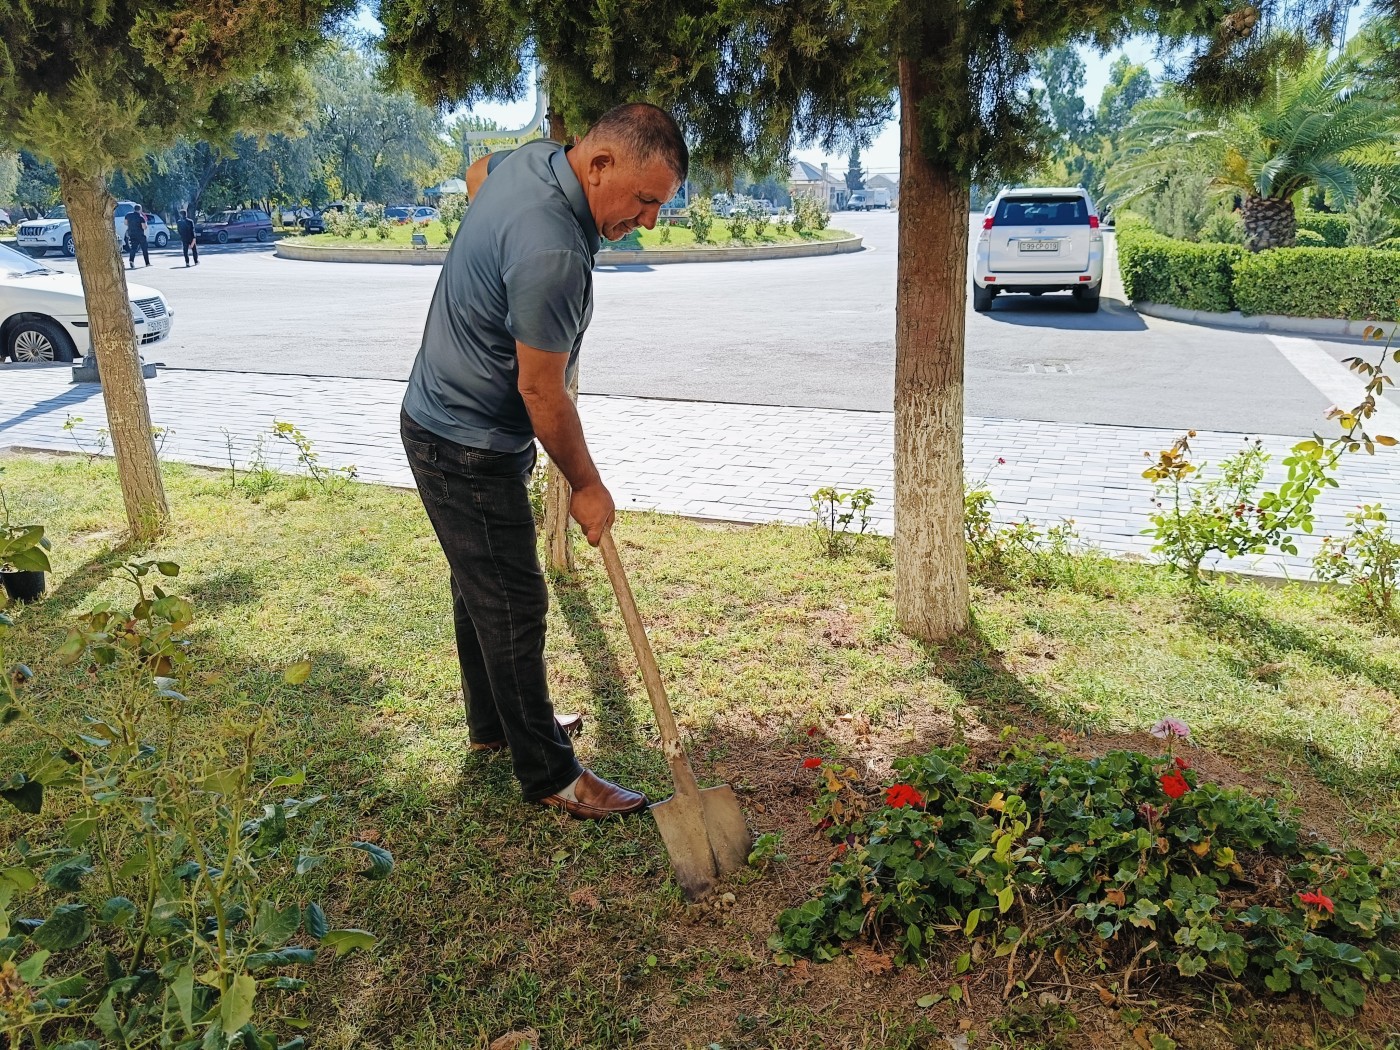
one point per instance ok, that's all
(500, 346)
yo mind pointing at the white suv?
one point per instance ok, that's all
(54, 232)
(1039, 240)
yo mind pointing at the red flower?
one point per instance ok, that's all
(901, 795)
(1181, 763)
(1001, 462)
(812, 763)
(812, 730)
(1174, 784)
(1320, 901)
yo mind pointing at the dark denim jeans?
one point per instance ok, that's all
(479, 503)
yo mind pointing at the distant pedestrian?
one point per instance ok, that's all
(136, 237)
(188, 243)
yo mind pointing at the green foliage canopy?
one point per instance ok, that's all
(94, 87)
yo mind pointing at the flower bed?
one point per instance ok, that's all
(1126, 856)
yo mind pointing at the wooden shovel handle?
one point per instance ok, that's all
(665, 721)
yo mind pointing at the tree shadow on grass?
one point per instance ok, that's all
(1229, 615)
(223, 589)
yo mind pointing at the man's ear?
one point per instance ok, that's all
(599, 163)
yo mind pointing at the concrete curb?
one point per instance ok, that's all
(1327, 327)
(607, 257)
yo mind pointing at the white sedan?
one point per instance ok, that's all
(43, 315)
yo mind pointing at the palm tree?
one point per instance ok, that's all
(1327, 126)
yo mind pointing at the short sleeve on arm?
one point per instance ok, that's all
(546, 293)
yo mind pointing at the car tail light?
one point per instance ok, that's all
(1093, 222)
(987, 223)
(989, 280)
(1085, 277)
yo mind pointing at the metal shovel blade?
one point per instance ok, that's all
(705, 836)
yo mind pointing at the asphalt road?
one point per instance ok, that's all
(806, 332)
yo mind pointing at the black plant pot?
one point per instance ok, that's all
(23, 586)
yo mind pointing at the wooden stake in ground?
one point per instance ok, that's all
(557, 491)
(91, 209)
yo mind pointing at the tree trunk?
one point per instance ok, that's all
(1269, 223)
(557, 493)
(930, 555)
(90, 209)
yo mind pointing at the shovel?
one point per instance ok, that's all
(704, 830)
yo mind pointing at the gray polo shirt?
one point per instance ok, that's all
(520, 268)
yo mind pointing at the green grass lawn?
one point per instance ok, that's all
(501, 916)
(680, 237)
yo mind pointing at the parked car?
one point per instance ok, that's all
(236, 224)
(54, 232)
(399, 214)
(1040, 240)
(312, 223)
(43, 315)
(423, 214)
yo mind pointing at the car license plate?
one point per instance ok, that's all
(1039, 246)
(161, 325)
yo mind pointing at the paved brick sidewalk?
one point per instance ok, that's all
(736, 462)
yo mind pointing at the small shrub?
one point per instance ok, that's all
(1223, 514)
(1021, 550)
(1133, 854)
(701, 214)
(333, 481)
(761, 219)
(1309, 239)
(801, 214)
(835, 513)
(451, 208)
(740, 223)
(665, 237)
(157, 895)
(339, 223)
(1368, 559)
(1158, 269)
(1223, 227)
(1333, 229)
(1354, 283)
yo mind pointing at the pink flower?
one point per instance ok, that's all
(812, 763)
(1169, 727)
(1001, 462)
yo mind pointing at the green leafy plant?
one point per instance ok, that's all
(701, 215)
(333, 481)
(163, 893)
(1128, 854)
(451, 209)
(23, 548)
(1021, 549)
(740, 223)
(100, 438)
(1227, 514)
(835, 513)
(761, 219)
(1368, 559)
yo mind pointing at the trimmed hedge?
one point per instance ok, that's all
(1333, 229)
(1310, 239)
(1161, 270)
(1359, 284)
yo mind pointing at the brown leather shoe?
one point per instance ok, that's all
(572, 724)
(597, 799)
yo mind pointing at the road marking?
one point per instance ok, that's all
(1336, 382)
